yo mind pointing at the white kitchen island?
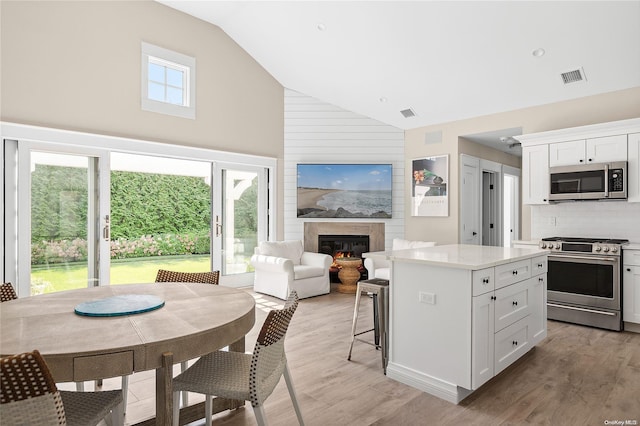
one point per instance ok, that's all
(460, 314)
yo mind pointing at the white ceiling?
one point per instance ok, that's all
(445, 60)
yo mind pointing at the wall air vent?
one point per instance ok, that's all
(408, 113)
(573, 76)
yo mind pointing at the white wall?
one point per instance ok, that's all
(317, 132)
(609, 219)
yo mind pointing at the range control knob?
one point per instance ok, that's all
(606, 249)
(543, 245)
(598, 248)
(614, 249)
(557, 246)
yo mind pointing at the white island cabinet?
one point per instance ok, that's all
(460, 314)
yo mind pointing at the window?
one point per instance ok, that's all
(168, 82)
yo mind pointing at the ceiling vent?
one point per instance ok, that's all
(573, 76)
(408, 113)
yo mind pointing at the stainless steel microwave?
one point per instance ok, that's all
(600, 181)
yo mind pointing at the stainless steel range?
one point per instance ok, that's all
(584, 281)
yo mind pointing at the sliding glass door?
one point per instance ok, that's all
(160, 217)
(67, 225)
(116, 214)
(241, 222)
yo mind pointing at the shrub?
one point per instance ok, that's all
(63, 251)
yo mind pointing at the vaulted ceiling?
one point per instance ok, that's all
(444, 60)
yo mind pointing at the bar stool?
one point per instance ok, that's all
(380, 290)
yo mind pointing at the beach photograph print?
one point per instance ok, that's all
(429, 195)
(344, 190)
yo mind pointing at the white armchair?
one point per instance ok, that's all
(378, 266)
(284, 266)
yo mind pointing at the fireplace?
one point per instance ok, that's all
(343, 246)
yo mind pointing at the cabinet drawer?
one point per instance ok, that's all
(539, 265)
(511, 343)
(631, 257)
(483, 281)
(512, 304)
(512, 273)
(102, 366)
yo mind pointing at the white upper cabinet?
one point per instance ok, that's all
(633, 169)
(566, 153)
(535, 176)
(585, 151)
(595, 143)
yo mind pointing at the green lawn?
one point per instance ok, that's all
(74, 275)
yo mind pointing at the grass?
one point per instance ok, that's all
(142, 270)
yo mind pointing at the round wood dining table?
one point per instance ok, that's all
(196, 319)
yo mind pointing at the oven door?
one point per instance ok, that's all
(592, 281)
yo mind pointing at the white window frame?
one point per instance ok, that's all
(77, 140)
(171, 59)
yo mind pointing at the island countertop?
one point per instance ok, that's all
(460, 256)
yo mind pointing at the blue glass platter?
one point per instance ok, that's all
(126, 304)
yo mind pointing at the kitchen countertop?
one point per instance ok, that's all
(526, 242)
(631, 246)
(461, 256)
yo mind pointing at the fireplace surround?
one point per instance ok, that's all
(343, 245)
(375, 232)
(312, 230)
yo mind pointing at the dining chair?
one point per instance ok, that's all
(7, 292)
(165, 276)
(30, 397)
(241, 376)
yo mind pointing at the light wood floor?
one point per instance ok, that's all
(577, 376)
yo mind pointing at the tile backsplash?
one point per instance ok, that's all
(610, 219)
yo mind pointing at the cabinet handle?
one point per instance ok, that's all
(590, 159)
(485, 280)
(493, 298)
(515, 272)
(514, 303)
(514, 343)
(581, 160)
(540, 265)
(540, 279)
(628, 269)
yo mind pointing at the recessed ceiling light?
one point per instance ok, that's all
(538, 52)
(383, 99)
(321, 27)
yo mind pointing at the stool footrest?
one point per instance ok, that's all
(362, 332)
(368, 343)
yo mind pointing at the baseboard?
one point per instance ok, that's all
(431, 385)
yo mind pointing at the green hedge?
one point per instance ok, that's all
(151, 215)
(141, 204)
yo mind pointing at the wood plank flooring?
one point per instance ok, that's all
(577, 376)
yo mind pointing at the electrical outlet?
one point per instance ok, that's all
(428, 298)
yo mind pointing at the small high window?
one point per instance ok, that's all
(168, 82)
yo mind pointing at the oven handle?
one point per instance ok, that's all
(570, 256)
(581, 309)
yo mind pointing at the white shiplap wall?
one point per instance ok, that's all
(317, 132)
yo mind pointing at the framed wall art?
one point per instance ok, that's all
(344, 191)
(429, 188)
